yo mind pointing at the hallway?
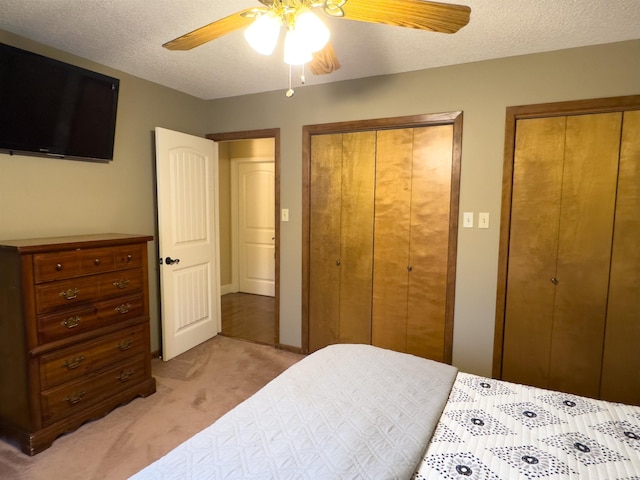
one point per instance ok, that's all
(249, 317)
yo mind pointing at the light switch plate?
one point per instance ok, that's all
(467, 220)
(285, 215)
(483, 220)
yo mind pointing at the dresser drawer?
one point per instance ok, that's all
(73, 263)
(56, 266)
(96, 260)
(62, 324)
(66, 293)
(120, 309)
(121, 282)
(130, 255)
(60, 402)
(73, 362)
(68, 322)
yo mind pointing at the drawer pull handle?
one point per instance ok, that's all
(124, 345)
(71, 322)
(121, 284)
(129, 258)
(124, 308)
(75, 398)
(125, 376)
(70, 294)
(73, 363)
(96, 262)
(58, 267)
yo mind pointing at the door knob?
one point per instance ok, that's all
(171, 261)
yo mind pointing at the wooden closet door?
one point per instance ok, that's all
(429, 241)
(356, 254)
(584, 252)
(533, 249)
(621, 362)
(341, 238)
(411, 240)
(391, 238)
(324, 240)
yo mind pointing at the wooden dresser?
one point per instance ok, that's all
(74, 333)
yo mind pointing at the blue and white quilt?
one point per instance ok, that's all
(493, 430)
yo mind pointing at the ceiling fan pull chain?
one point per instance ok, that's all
(289, 92)
(302, 78)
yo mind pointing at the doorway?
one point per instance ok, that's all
(252, 314)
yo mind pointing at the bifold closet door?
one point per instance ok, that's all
(341, 238)
(584, 252)
(412, 226)
(621, 361)
(392, 228)
(564, 186)
(533, 250)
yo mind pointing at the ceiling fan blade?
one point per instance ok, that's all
(420, 14)
(214, 30)
(324, 61)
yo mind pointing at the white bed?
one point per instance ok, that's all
(357, 411)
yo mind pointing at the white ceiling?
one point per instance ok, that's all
(128, 35)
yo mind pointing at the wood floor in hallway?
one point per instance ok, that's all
(249, 317)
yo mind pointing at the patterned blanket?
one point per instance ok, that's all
(493, 430)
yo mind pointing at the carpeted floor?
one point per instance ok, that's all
(193, 390)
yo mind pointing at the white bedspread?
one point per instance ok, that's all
(493, 430)
(344, 412)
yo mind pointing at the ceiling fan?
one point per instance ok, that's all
(307, 38)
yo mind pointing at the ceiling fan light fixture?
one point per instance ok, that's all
(262, 35)
(295, 49)
(313, 32)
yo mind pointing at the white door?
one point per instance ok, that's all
(256, 227)
(187, 171)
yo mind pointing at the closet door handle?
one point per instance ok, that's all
(409, 268)
(338, 262)
(554, 280)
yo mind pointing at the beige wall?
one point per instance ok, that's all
(482, 91)
(41, 197)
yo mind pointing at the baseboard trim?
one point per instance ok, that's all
(289, 348)
(225, 289)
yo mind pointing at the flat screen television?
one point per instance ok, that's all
(51, 108)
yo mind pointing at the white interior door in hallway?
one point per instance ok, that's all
(253, 206)
(187, 179)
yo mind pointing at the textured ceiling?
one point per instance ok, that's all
(128, 35)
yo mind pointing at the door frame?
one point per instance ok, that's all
(412, 121)
(513, 114)
(251, 135)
